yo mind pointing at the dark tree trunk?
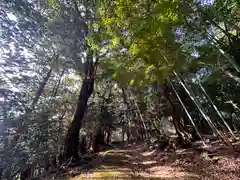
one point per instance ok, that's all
(46, 165)
(141, 131)
(72, 138)
(101, 136)
(53, 163)
(128, 112)
(26, 174)
(235, 50)
(123, 132)
(175, 114)
(41, 88)
(1, 173)
(83, 146)
(96, 142)
(109, 136)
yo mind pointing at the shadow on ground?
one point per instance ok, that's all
(124, 164)
(140, 162)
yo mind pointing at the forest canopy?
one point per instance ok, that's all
(75, 74)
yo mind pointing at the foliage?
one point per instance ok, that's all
(151, 62)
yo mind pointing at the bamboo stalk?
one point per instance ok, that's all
(205, 116)
(186, 111)
(216, 109)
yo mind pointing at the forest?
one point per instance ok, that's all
(119, 89)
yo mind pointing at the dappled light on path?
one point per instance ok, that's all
(130, 164)
(138, 161)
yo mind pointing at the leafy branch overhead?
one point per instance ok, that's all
(77, 75)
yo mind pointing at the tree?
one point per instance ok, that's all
(75, 73)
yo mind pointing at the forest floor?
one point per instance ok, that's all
(138, 161)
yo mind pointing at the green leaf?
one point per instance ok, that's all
(115, 40)
(131, 82)
(116, 75)
(149, 68)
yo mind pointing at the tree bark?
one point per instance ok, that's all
(109, 136)
(96, 141)
(143, 127)
(72, 138)
(128, 112)
(26, 174)
(41, 88)
(46, 164)
(83, 145)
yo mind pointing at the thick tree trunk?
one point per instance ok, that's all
(72, 139)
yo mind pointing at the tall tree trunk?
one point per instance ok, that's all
(123, 130)
(128, 112)
(142, 123)
(41, 88)
(72, 138)
(96, 141)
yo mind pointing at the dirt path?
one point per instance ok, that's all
(113, 165)
(130, 163)
(140, 162)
